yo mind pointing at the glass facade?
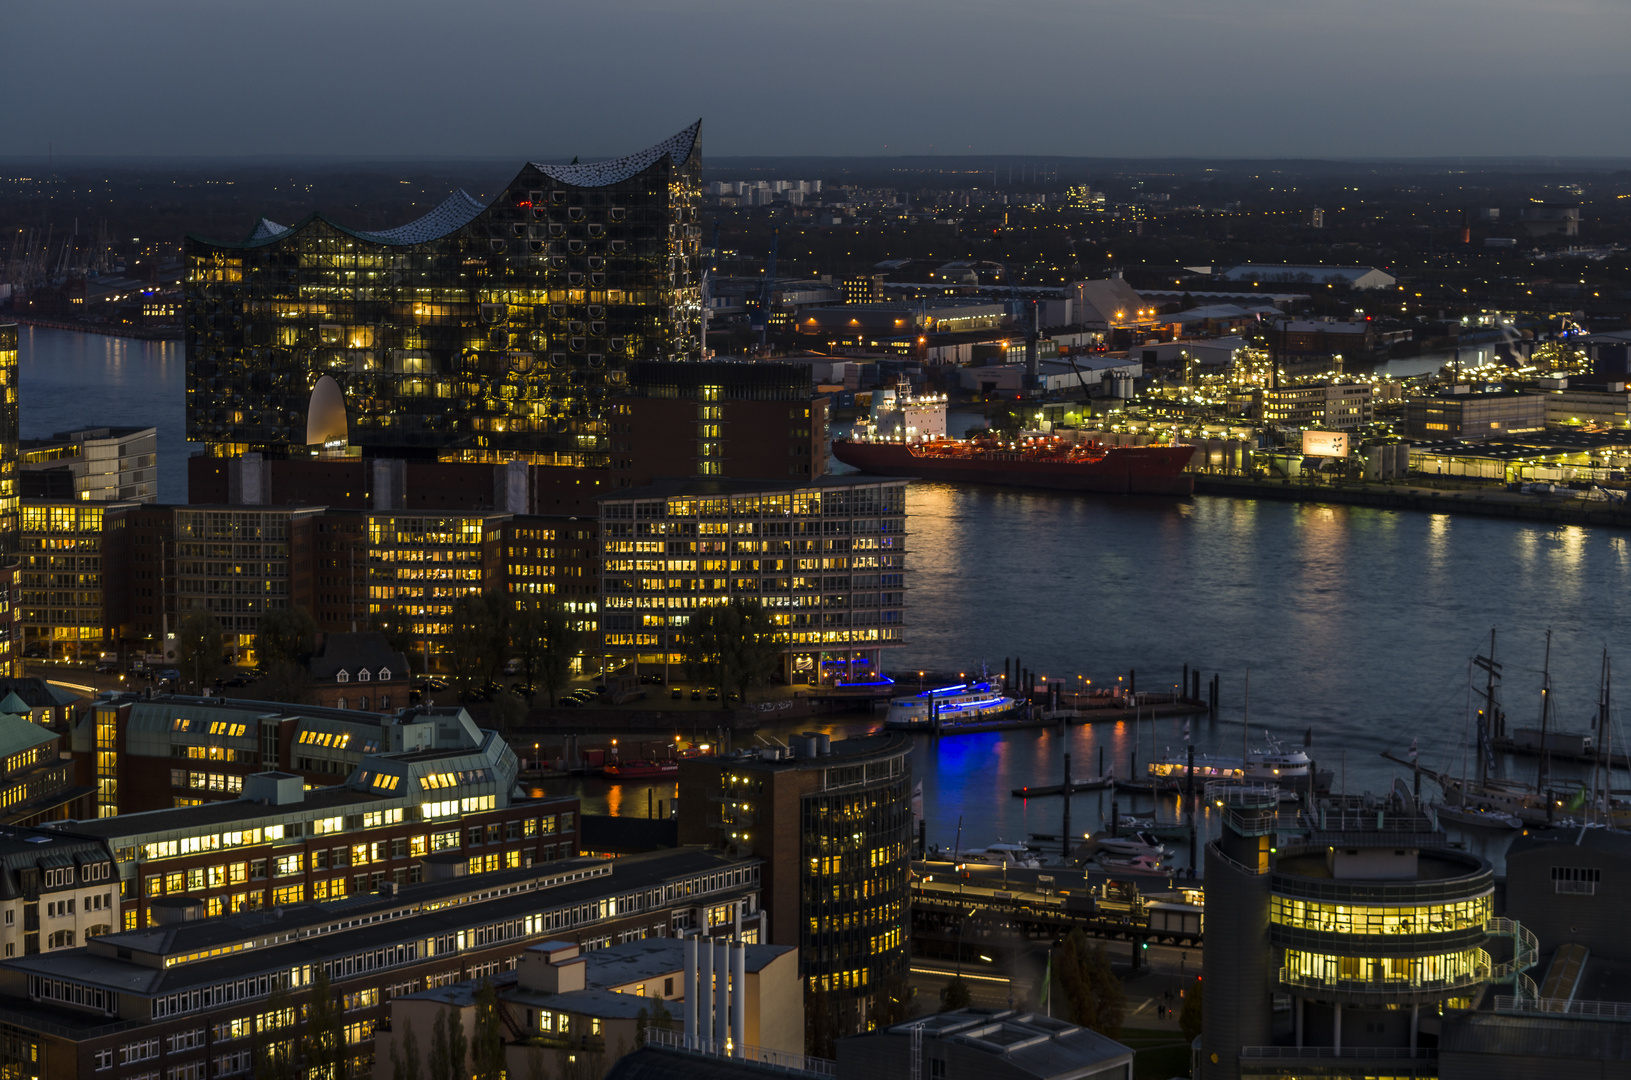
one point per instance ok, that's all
(827, 562)
(10, 493)
(852, 881)
(479, 332)
(1469, 914)
(1386, 975)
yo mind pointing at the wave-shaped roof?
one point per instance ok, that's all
(601, 173)
(455, 212)
(266, 229)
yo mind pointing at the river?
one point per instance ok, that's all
(1355, 624)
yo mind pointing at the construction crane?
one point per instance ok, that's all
(767, 290)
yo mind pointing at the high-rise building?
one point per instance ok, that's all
(480, 331)
(10, 494)
(833, 822)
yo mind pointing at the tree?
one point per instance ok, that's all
(285, 635)
(397, 628)
(324, 1042)
(555, 642)
(892, 1002)
(507, 713)
(274, 1053)
(732, 645)
(284, 680)
(405, 1055)
(820, 1025)
(1092, 991)
(447, 1047)
(656, 1015)
(457, 1047)
(1189, 1017)
(198, 646)
(471, 640)
(487, 1041)
(955, 994)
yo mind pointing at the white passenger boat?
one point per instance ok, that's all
(961, 707)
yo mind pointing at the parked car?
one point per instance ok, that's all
(106, 668)
(676, 693)
(696, 695)
(713, 694)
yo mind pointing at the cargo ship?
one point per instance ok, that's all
(1041, 462)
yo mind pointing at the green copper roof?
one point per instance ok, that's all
(18, 733)
(14, 705)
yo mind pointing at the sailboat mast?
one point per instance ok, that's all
(1545, 768)
(1246, 724)
(1602, 780)
(1489, 716)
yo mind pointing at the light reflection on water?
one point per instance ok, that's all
(1356, 623)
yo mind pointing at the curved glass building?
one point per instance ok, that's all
(481, 331)
(1341, 942)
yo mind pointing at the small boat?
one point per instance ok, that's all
(1139, 843)
(1486, 817)
(640, 770)
(1130, 864)
(1003, 854)
(1161, 830)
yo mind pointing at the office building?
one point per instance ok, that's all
(280, 844)
(194, 996)
(1461, 413)
(567, 1001)
(479, 332)
(107, 464)
(10, 433)
(833, 823)
(60, 608)
(826, 560)
(1322, 406)
(1363, 917)
(741, 421)
(172, 750)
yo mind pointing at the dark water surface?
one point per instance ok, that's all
(71, 380)
(1355, 623)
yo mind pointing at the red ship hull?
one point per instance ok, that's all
(641, 770)
(1120, 470)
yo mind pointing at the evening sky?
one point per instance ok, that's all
(549, 79)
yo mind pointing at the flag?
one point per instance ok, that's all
(1186, 729)
(1412, 751)
(1047, 985)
